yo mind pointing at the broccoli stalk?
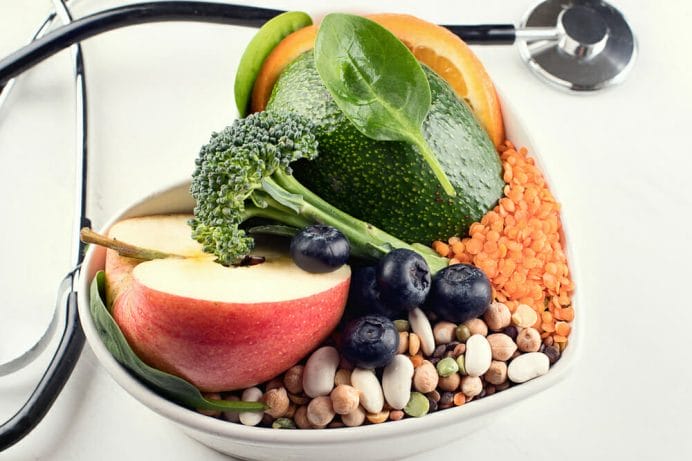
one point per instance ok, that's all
(244, 172)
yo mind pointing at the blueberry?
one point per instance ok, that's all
(319, 249)
(370, 341)
(460, 292)
(364, 295)
(403, 278)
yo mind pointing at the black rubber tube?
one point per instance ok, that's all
(485, 34)
(52, 382)
(130, 15)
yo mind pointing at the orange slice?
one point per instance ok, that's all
(433, 45)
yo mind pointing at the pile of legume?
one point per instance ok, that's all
(519, 246)
(438, 365)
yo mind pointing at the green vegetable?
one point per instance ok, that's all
(388, 183)
(244, 172)
(271, 33)
(173, 387)
(376, 82)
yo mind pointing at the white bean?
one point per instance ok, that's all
(251, 418)
(396, 381)
(319, 372)
(371, 396)
(528, 366)
(421, 326)
(478, 355)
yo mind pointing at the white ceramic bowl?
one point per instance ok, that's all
(402, 438)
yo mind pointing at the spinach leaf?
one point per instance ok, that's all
(172, 387)
(377, 83)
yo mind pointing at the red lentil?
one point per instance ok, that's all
(518, 245)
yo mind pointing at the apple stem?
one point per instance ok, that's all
(124, 249)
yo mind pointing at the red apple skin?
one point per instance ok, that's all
(224, 346)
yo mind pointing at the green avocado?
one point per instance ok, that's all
(387, 183)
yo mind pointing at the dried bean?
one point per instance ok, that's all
(301, 417)
(355, 418)
(418, 405)
(396, 381)
(463, 333)
(444, 332)
(477, 327)
(343, 376)
(450, 383)
(413, 344)
(553, 353)
(471, 386)
(421, 326)
(501, 346)
(345, 399)
(528, 366)
(377, 418)
(440, 351)
(403, 342)
(320, 411)
(497, 373)
(371, 395)
(529, 340)
(319, 372)
(425, 377)
(283, 423)
(497, 316)
(478, 355)
(293, 379)
(277, 401)
(396, 415)
(251, 418)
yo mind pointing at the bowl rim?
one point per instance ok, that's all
(250, 434)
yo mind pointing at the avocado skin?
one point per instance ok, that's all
(387, 183)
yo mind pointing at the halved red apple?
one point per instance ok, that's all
(221, 328)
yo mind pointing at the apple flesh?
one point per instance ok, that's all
(221, 328)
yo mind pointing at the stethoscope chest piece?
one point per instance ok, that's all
(595, 47)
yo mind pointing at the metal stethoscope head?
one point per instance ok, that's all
(578, 45)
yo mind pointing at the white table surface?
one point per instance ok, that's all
(620, 161)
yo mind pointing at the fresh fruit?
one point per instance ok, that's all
(432, 45)
(284, 53)
(364, 295)
(459, 292)
(221, 328)
(370, 341)
(388, 183)
(256, 52)
(455, 62)
(403, 279)
(319, 248)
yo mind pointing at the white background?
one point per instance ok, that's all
(620, 161)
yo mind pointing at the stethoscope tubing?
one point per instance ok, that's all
(71, 33)
(72, 339)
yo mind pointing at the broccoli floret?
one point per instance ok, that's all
(244, 172)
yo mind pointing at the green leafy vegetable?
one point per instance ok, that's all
(376, 82)
(271, 33)
(173, 387)
(244, 172)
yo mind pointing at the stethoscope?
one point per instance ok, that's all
(575, 45)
